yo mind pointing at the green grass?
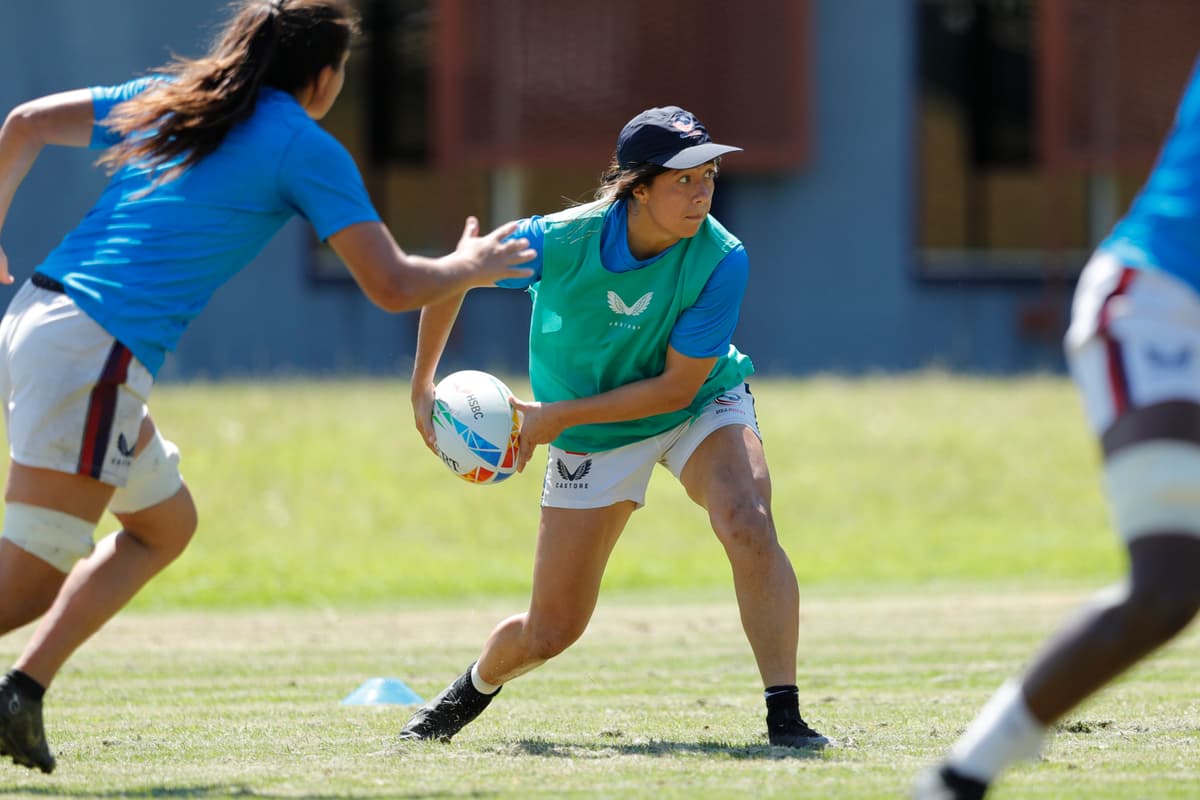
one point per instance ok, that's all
(941, 528)
(321, 494)
(657, 701)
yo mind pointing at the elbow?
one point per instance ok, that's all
(397, 302)
(397, 297)
(394, 297)
(678, 398)
(22, 121)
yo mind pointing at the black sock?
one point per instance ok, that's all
(781, 699)
(25, 684)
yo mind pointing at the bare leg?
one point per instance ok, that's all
(1159, 599)
(100, 585)
(572, 550)
(1120, 627)
(27, 585)
(728, 476)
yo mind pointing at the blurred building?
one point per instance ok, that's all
(922, 179)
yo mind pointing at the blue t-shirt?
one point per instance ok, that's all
(1161, 230)
(144, 264)
(706, 328)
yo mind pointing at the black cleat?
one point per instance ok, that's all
(22, 737)
(788, 729)
(448, 713)
(945, 783)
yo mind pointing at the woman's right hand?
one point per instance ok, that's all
(496, 258)
(5, 276)
(422, 403)
(541, 423)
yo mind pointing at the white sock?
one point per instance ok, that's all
(1005, 731)
(482, 686)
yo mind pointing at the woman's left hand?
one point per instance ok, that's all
(540, 424)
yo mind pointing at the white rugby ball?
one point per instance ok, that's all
(475, 427)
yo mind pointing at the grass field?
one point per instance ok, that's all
(941, 527)
(319, 494)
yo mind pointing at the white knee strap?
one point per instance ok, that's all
(1154, 487)
(153, 477)
(58, 539)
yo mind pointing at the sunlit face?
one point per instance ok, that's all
(677, 201)
(326, 89)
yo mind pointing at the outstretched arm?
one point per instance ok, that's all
(397, 281)
(65, 118)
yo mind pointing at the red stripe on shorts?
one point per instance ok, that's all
(102, 407)
(1118, 381)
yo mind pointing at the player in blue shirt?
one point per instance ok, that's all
(636, 297)
(210, 158)
(1134, 352)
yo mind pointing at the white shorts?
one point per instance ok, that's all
(1134, 339)
(74, 397)
(597, 480)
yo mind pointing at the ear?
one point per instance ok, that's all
(324, 81)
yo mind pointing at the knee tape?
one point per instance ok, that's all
(58, 539)
(153, 477)
(1155, 488)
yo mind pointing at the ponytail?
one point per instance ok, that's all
(279, 43)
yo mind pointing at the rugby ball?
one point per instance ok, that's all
(475, 427)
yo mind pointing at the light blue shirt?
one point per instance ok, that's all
(143, 264)
(1161, 230)
(706, 328)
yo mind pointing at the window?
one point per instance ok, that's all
(383, 118)
(505, 108)
(1018, 171)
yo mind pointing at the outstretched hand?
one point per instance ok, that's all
(496, 257)
(540, 424)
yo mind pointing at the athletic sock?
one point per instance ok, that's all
(1005, 731)
(25, 684)
(482, 686)
(781, 699)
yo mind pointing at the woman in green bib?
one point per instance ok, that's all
(635, 298)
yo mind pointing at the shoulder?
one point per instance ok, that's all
(129, 89)
(573, 226)
(594, 210)
(733, 270)
(716, 233)
(301, 138)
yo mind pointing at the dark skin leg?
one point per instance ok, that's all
(1119, 628)
(1159, 599)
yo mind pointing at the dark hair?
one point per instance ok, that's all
(280, 43)
(618, 183)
